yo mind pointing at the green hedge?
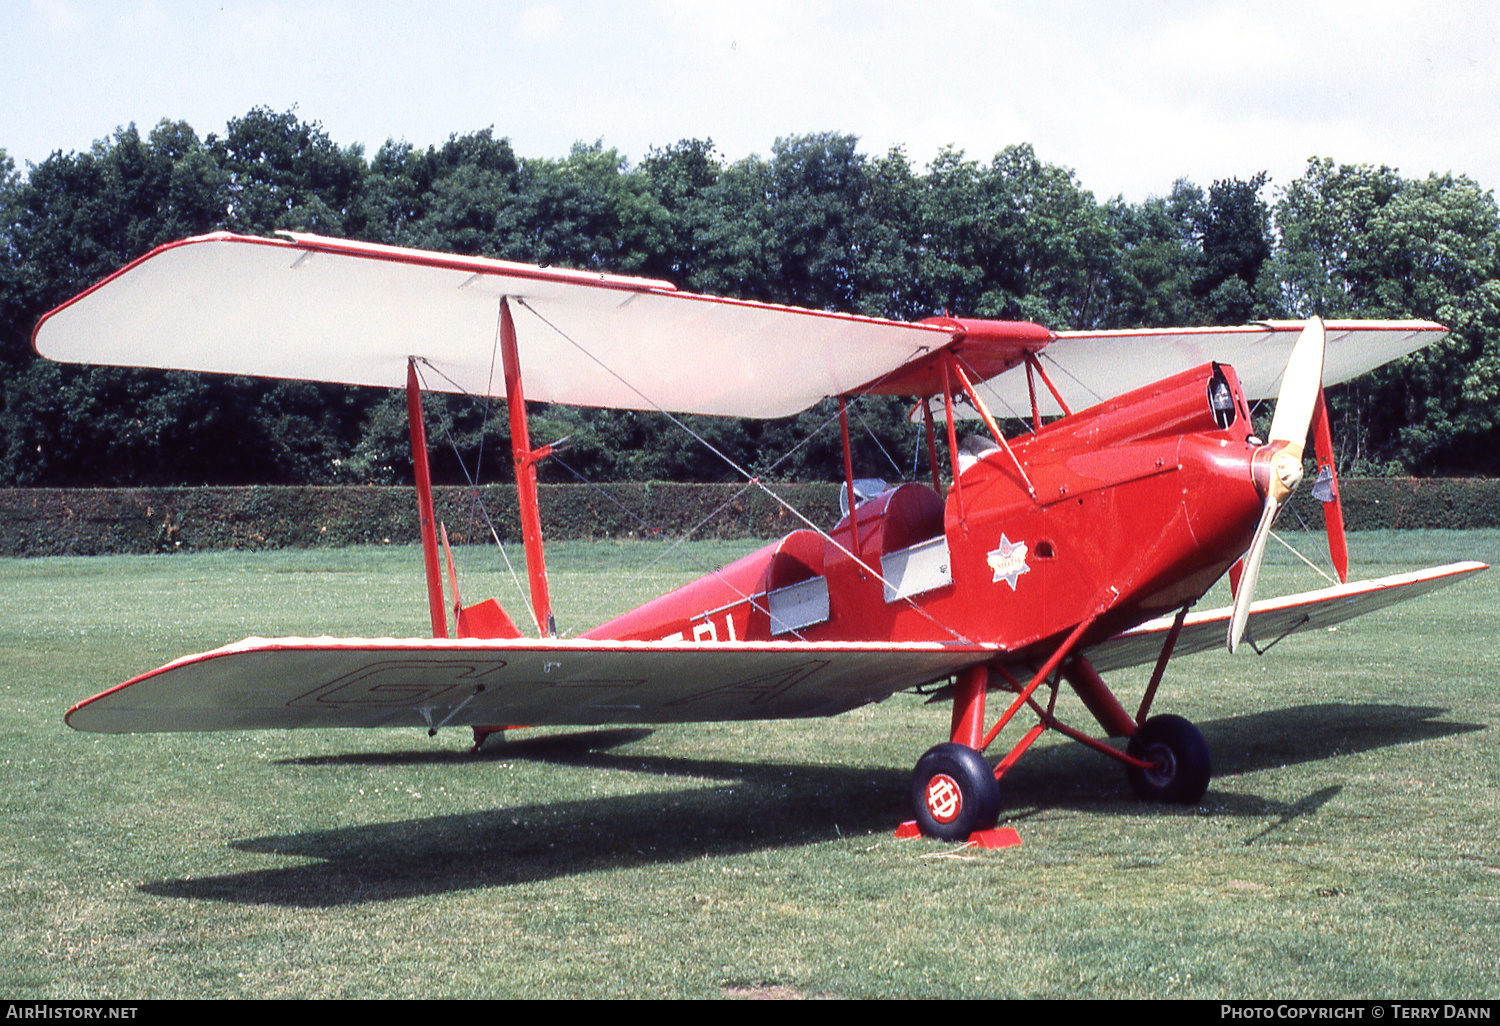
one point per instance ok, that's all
(45, 522)
(49, 521)
(1407, 503)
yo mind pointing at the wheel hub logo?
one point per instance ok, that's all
(944, 799)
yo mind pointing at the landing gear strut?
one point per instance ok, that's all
(954, 791)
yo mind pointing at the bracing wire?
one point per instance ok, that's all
(876, 439)
(668, 551)
(1044, 355)
(696, 527)
(495, 535)
(484, 426)
(1010, 410)
(1290, 548)
(1306, 530)
(475, 501)
(750, 478)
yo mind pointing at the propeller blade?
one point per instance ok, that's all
(1298, 400)
(1300, 385)
(1246, 593)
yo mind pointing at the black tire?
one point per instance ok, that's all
(1181, 767)
(954, 793)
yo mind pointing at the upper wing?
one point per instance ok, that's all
(1273, 619)
(1089, 367)
(351, 682)
(317, 309)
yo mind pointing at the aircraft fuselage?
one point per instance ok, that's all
(1140, 503)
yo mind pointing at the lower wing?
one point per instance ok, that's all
(1273, 619)
(385, 682)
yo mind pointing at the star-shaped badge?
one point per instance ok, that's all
(1008, 561)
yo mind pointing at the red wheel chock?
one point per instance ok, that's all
(999, 837)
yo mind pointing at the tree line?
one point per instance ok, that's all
(817, 223)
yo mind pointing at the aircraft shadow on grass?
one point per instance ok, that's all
(744, 807)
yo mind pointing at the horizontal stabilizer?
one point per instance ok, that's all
(487, 619)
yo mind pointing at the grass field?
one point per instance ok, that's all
(1347, 846)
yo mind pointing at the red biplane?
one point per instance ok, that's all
(1075, 548)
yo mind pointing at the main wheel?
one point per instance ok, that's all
(954, 792)
(1180, 767)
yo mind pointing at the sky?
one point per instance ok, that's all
(1130, 96)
